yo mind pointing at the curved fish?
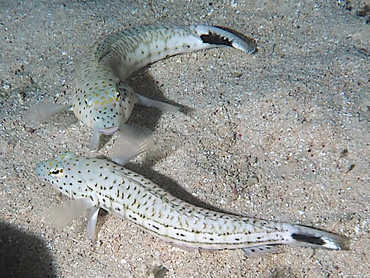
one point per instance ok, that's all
(102, 101)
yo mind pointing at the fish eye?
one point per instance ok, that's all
(56, 173)
(88, 102)
(117, 96)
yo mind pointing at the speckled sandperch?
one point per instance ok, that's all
(102, 101)
(98, 183)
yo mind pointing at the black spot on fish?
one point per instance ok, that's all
(252, 45)
(212, 38)
(308, 238)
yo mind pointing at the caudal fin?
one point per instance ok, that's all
(296, 235)
(225, 36)
(309, 237)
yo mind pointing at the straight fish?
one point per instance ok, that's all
(95, 183)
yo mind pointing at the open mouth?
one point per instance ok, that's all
(109, 130)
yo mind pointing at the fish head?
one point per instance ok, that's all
(62, 171)
(103, 108)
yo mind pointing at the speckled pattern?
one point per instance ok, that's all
(279, 135)
(102, 99)
(100, 183)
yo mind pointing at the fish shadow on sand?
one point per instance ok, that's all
(171, 186)
(23, 254)
(144, 84)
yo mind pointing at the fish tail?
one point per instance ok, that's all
(295, 235)
(225, 36)
(131, 49)
(310, 237)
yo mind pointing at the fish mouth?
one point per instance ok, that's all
(109, 130)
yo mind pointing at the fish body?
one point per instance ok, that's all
(102, 100)
(99, 183)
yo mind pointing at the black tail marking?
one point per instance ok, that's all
(252, 43)
(213, 38)
(308, 239)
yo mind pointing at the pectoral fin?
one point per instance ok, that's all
(91, 223)
(43, 111)
(157, 104)
(60, 216)
(131, 140)
(94, 141)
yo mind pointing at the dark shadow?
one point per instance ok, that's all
(144, 84)
(23, 254)
(172, 186)
(282, 273)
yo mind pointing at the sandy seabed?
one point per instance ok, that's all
(281, 135)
